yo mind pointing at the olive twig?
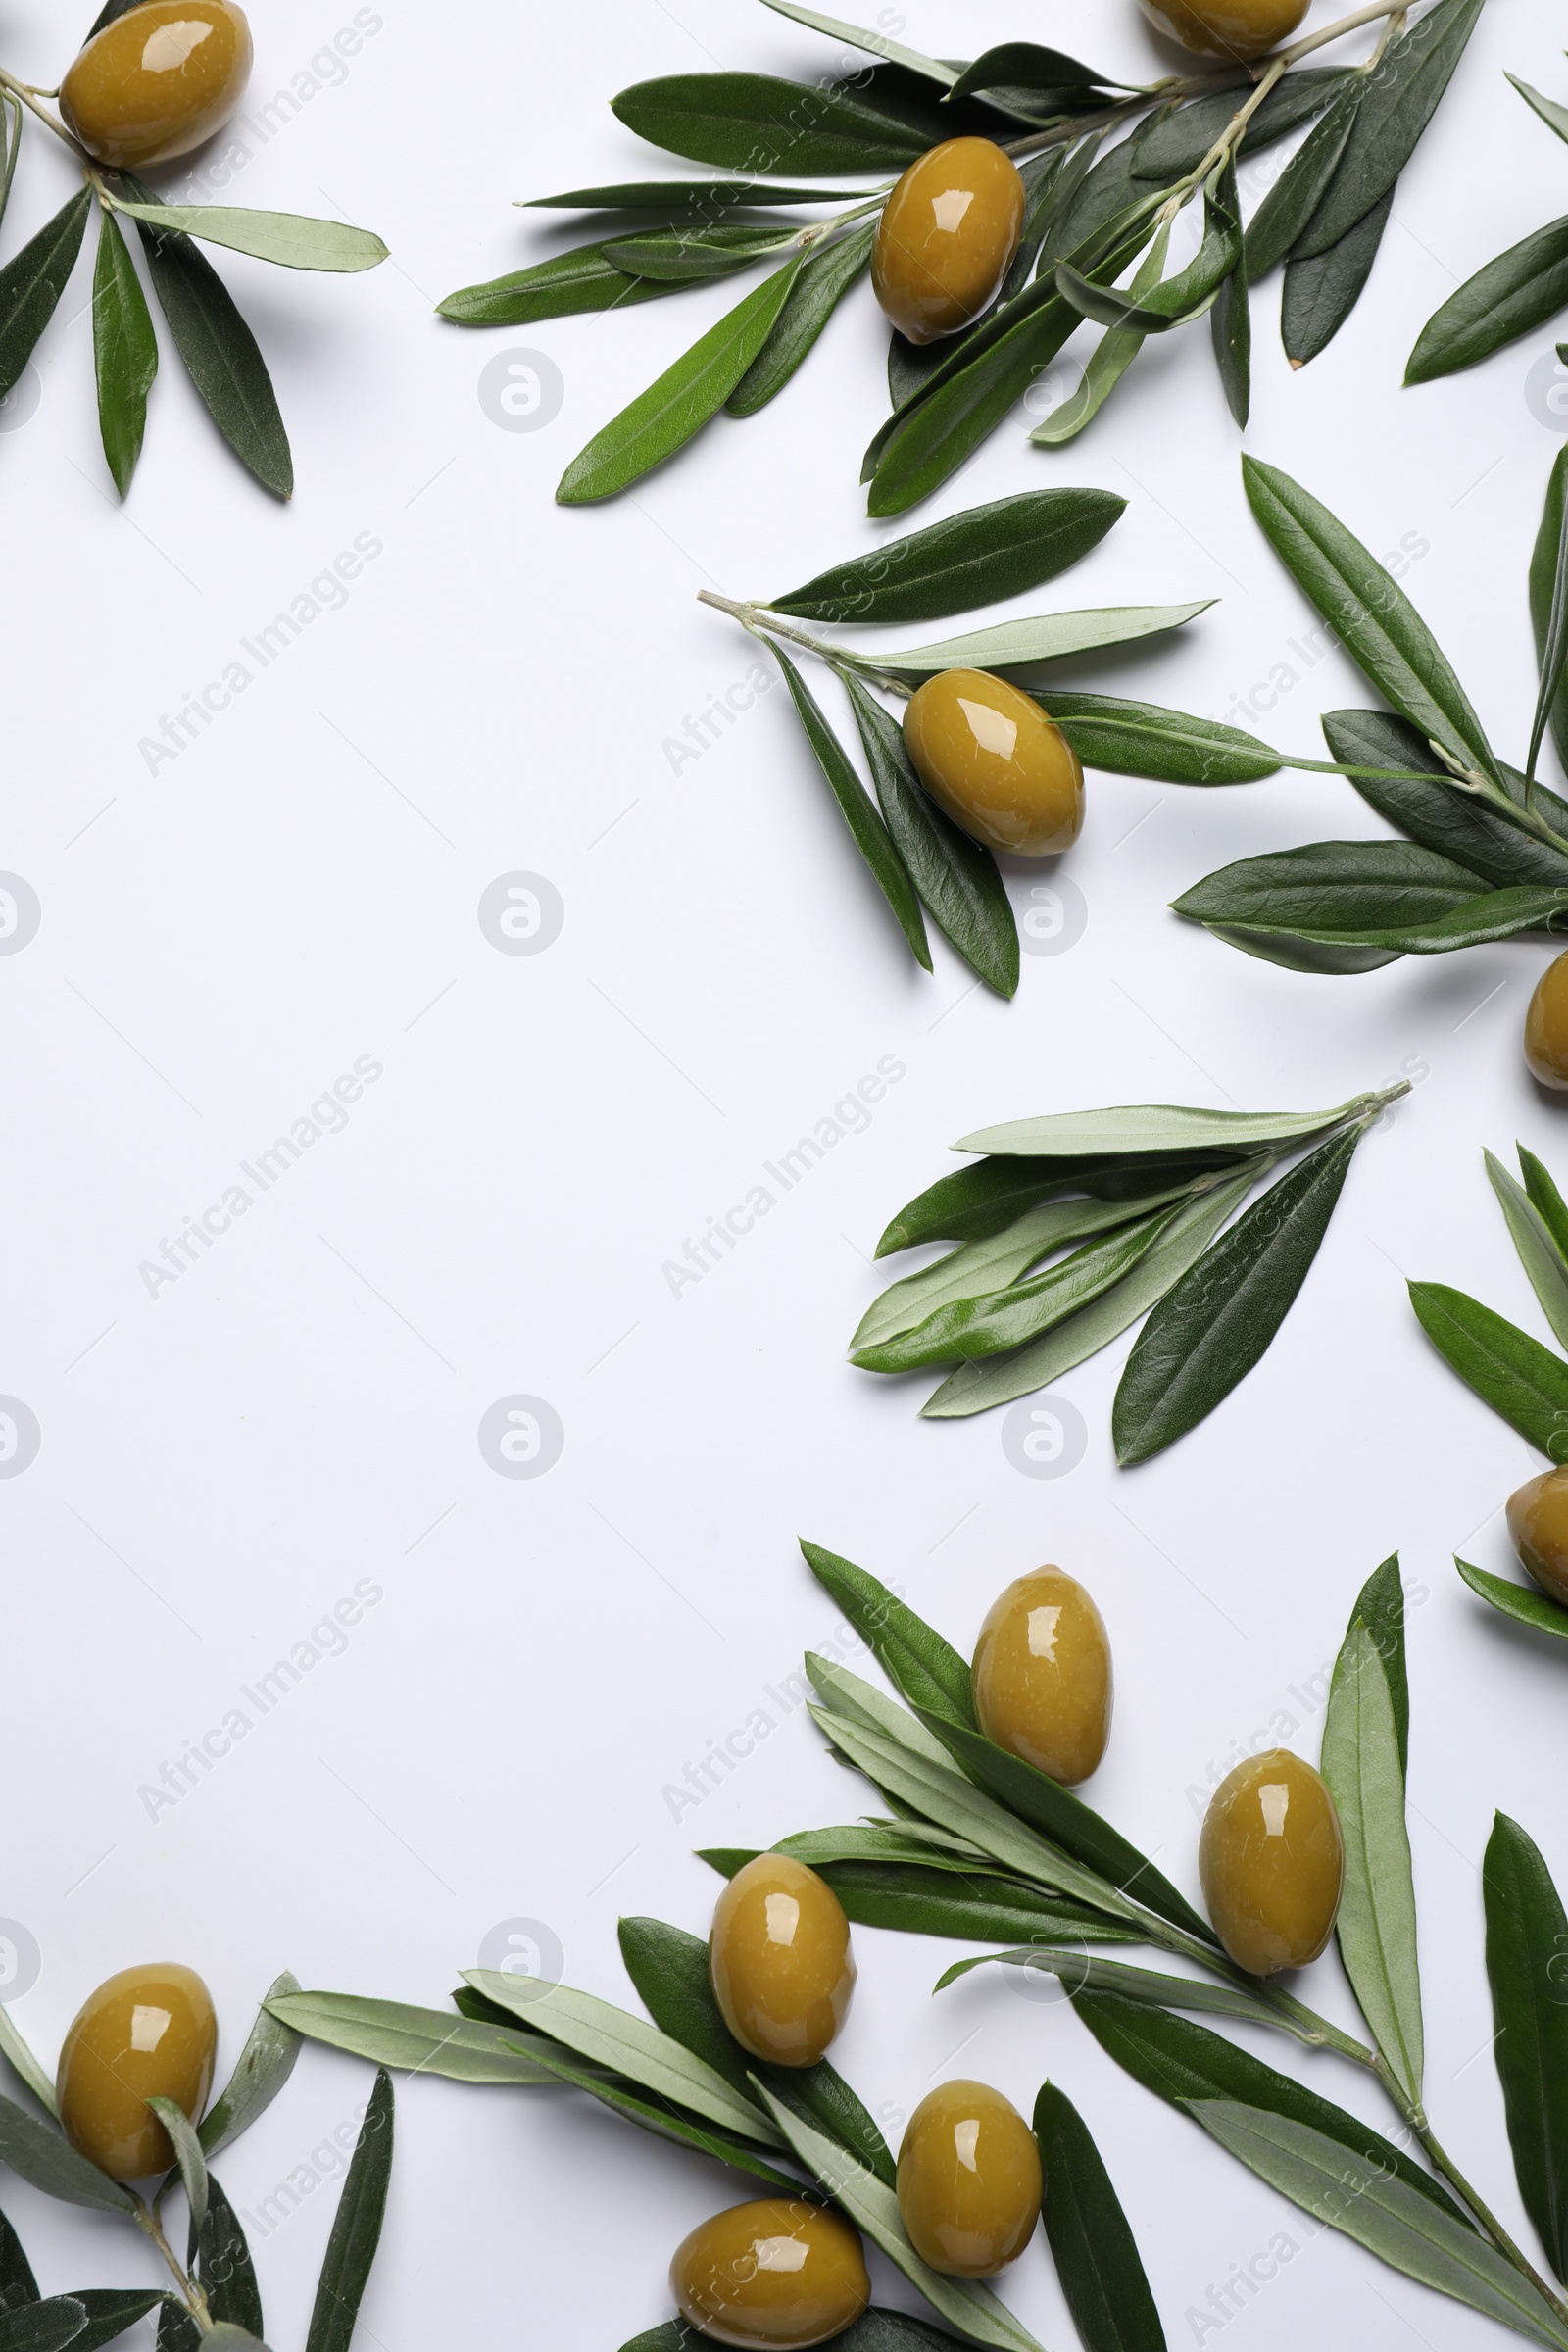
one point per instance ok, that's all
(1493, 2228)
(29, 98)
(191, 2290)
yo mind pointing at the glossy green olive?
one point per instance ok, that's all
(968, 2180)
(1537, 1529)
(1239, 29)
(148, 2032)
(1546, 1026)
(946, 238)
(776, 2272)
(780, 1961)
(159, 80)
(1042, 1676)
(1272, 1863)
(991, 757)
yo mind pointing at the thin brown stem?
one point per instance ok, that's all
(1488, 2221)
(30, 99)
(191, 2293)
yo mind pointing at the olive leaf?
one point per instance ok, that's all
(684, 196)
(980, 556)
(1522, 1602)
(824, 277)
(1231, 319)
(1179, 299)
(1545, 592)
(226, 2271)
(356, 2227)
(1026, 66)
(18, 2285)
(1096, 2254)
(1554, 117)
(264, 2066)
(689, 256)
(1018, 648)
(1150, 1127)
(1455, 825)
(1354, 890)
(1509, 1370)
(1174, 144)
(23, 2064)
(187, 2154)
(228, 2338)
(426, 2042)
(1510, 297)
(1546, 1200)
(957, 1901)
(1295, 196)
(1553, 646)
(45, 2158)
(1396, 108)
(42, 2326)
(1140, 739)
(983, 1200)
(923, 1666)
(756, 123)
(1216, 1323)
(1077, 1971)
(33, 282)
(1109, 361)
(664, 419)
(878, 44)
(10, 144)
(1538, 1254)
(109, 2311)
(1527, 1938)
(291, 239)
(875, 2331)
(1323, 289)
(567, 284)
(124, 353)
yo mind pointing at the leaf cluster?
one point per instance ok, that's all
(1510, 295)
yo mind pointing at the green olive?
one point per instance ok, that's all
(1537, 1529)
(1240, 28)
(149, 2033)
(946, 238)
(158, 81)
(1546, 1026)
(780, 1962)
(1272, 1862)
(968, 2180)
(1042, 1676)
(777, 2272)
(992, 758)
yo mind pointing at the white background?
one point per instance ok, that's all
(219, 940)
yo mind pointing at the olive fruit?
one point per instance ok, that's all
(1546, 1026)
(946, 238)
(1272, 1862)
(157, 80)
(1042, 1676)
(1242, 29)
(777, 2272)
(1537, 1529)
(968, 2180)
(149, 2033)
(780, 1962)
(993, 760)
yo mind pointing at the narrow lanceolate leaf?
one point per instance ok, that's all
(824, 278)
(754, 123)
(876, 44)
(265, 2065)
(1074, 1967)
(1455, 825)
(1507, 1369)
(966, 1905)
(33, 282)
(1321, 292)
(426, 2042)
(291, 239)
(954, 875)
(1021, 647)
(187, 2154)
(1026, 66)
(1109, 361)
(1395, 110)
(1546, 572)
(984, 1199)
(111, 2311)
(976, 1387)
(664, 417)
(977, 558)
(124, 353)
(18, 2285)
(42, 2326)
(874, 2208)
(1295, 196)
(1369, 612)
(44, 2157)
(22, 2063)
(227, 2270)
(688, 256)
(872, 835)
(1555, 116)
(683, 196)
(356, 2229)
(1179, 299)
(1173, 144)
(1545, 1198)
(1230, 322)
(1510, 297)
(1142, 1127)
(219, 352)
(1381, 2213)
(1553, 646)
(1522, 1602)
(1538, 1254)
(560, 289)
(1096, 2254)
(1170, 747)
(927, 1670)
(1377, 1921)
(1527, 1941)
(1336, 889)
(1208, 1333)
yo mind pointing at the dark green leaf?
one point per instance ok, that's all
(1295, 196)
(42, 2326)
(1527, 1959)
(1378, 625)
(1211, 1329)
(1522, 1602)
(910, 367)
(980, 556)
(45, 2158)
(876, 44)
(1139, 739)
(690, 256)
(1379, 1608)
(1551, 637)
(227, 2270)
(872, 835)
(1396, 108)
(954, 875)
(1075, 1968)
(109, 2311)
(1336, 889)
(1321, 293)
(824, 277)
(218, 350)
(1545, 1198)
(1510, 297)
(178, 2332)
(124, 353)
(927, 1670)
(1507, 1369)
(356, 2227)
(1182, 2062)
(681, 401)
(1044, 176)
(1538, 1254)
(1175, 144)
(188, 2157)
(754, 122)
(1545, 566)
(1052, 232)
(873, 2331)
(1096, 2254)
(1109, 360)
(264, 2066)
(1231, 319)
(580, 281)
(1555, 116)
(33, 282)
(1025, 65)
(685, 196)
(977, 1201)
(18, 2285)
(1178, 299)
(923, 1901)
(1453, 823)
